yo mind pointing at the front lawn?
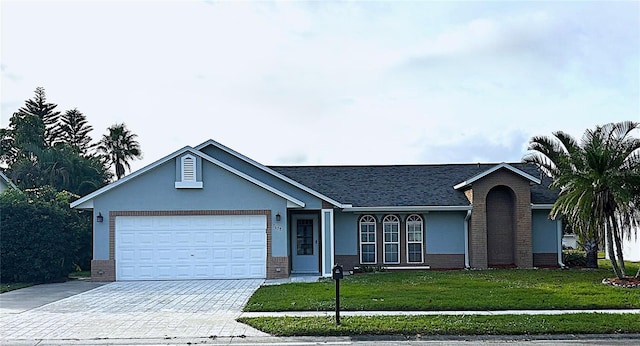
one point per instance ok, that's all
(454, 290)
(448, 325)
(13, 286)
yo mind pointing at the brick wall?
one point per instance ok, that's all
(103, 270)
(520, 187)
(445, 261)
(545, 259)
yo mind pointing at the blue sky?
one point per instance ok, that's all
(329, 82)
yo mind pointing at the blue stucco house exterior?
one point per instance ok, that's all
(209, 212)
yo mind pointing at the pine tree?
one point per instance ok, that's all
(74, 130)
(38, 106)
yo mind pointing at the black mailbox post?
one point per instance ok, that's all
(337, 274)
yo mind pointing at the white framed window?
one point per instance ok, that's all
(188, 173)
(415, 239)
(391, 239)
(368, 240)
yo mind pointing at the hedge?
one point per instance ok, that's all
(41, 238)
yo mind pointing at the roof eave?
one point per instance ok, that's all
(505, 165)
(416, 208)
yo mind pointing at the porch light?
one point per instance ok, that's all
(278, 216)
(99, 218)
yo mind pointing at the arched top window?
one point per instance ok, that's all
(391, 239)
(390, 218)
(368, 240)
(368, 219)
(415, 239)
(414, 218)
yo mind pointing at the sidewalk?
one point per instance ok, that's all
(431, 313)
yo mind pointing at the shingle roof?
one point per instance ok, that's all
(402, 185)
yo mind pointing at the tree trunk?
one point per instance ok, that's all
(618, 242)
(612, 255)
(591, 248)
(638, 273)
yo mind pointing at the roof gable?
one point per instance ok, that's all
(503, 165)
(272, 172)
(86, 202)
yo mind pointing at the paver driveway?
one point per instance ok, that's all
(152, 309)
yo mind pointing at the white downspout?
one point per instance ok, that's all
(559, 229)
(466, 239)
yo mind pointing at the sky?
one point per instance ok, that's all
(329, 83)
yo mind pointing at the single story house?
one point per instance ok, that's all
(6, 183)
(209, 212)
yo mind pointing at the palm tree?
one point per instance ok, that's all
(598, 179)
(119, 147)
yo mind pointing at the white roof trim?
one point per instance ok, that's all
(87, 201)
(493, 169)
(409, 208)
(8, 181)
(253, 180)
(270, 171)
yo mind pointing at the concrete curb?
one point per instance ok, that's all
(433, 313)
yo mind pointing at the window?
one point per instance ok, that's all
(368, 240)
(304, 237)
(188, 173)
(391, 228)
(414, 239)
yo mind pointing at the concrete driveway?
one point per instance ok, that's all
(150, 309)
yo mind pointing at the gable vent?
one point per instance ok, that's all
(188, 169)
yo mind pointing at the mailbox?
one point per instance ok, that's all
(338, 273)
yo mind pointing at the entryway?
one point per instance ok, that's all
(304, 244)
(500, 227)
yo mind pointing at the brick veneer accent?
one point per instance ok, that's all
(108, 267)
(545, 259)
(523, 256)
(445, 261)
(103, 270)
(348, 262)
(278, 267)
(327, 205)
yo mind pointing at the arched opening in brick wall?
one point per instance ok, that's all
(500, 212)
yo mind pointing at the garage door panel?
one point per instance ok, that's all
(190, 247)
(164, 255)
(256, 254)
(164, 271)
(145, 256)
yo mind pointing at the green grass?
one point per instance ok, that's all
(14, 286)
(453, 290)
(448, 325)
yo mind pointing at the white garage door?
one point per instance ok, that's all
(190, 247)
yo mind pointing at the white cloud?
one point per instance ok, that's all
(329, 83)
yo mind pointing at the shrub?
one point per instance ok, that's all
(574, 258)
(39, 238)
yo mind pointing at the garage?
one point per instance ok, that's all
(190, 247)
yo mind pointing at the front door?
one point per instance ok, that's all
(304, 244)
